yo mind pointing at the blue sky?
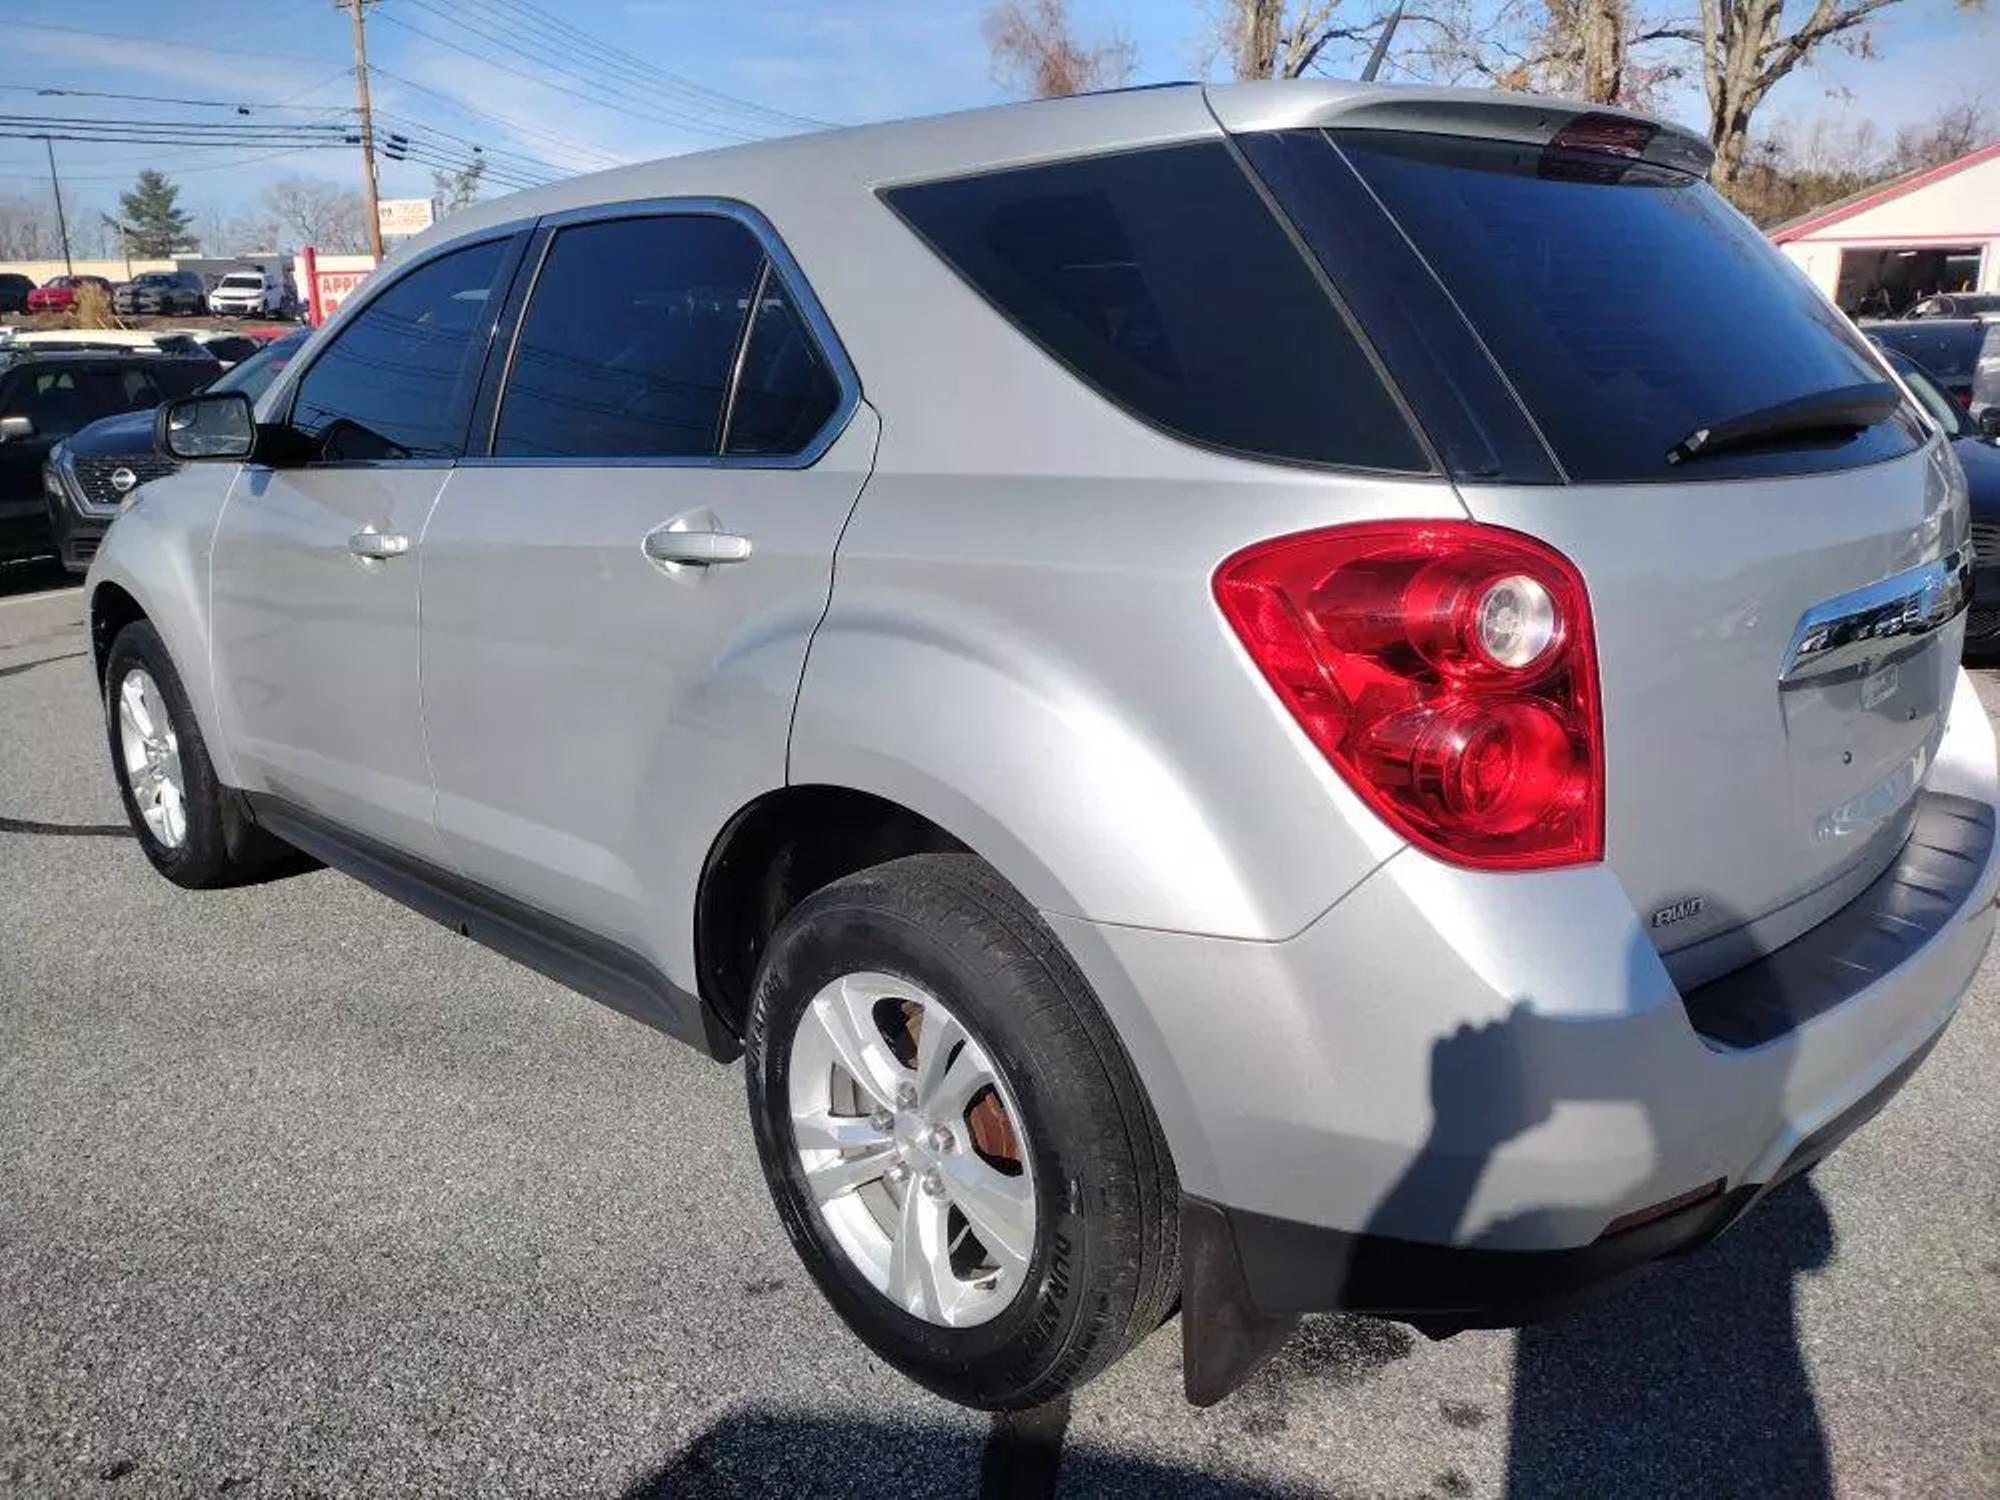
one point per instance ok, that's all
(835, 60)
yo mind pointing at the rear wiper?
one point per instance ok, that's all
(1844, 408)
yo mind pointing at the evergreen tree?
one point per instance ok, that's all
(157, 228)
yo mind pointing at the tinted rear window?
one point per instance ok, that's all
(1628, 304)
(1160, 278)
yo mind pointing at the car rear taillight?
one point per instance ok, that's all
(1605, 135)
(1447, 671)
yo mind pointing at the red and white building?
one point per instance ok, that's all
(1932, 231)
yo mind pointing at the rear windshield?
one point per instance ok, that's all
(1628, 304)
(1161, 279)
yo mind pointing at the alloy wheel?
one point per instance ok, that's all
(911, 1147)
(152, 758)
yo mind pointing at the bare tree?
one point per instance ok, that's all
(1270, 39)
(1957, 128)
(1748, 46)
(313, 211)
(1798, 168)
(28, 229)
(1035, 50)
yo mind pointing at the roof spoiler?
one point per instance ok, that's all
(1527, 119)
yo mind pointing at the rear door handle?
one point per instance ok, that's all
(377, 546)
(699, 549)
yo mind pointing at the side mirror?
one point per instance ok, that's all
(214, 425)
(12, 429)
(1989, 422)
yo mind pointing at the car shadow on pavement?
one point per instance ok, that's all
(764, 1453)
(38, 575)
(1690, 1381)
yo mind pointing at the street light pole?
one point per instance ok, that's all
(62, 224)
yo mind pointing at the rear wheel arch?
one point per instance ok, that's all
(775, 852)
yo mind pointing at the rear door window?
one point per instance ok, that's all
(1160, 278)
(1629, 304)
(629, 340)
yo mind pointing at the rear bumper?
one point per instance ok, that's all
(1443, 1099)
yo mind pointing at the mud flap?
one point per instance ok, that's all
(1224, 1337)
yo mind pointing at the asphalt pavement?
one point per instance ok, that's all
(300, 1193)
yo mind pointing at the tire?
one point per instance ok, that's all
(219, 845)
(1103, 1271)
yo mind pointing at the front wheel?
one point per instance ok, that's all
(955, 1139)
(185, 819)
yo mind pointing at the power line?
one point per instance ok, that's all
(533, 132)
(241, 108)
(533, 163)
(628, 106)
(641, 71)
(121, 122)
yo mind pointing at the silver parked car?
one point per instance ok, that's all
(1258, 699)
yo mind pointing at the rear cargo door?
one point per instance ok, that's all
(1778, 619)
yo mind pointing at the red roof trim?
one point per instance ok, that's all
(1884, 194)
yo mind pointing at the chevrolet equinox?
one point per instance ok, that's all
(1251, 699)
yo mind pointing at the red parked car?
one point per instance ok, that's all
(58, 293)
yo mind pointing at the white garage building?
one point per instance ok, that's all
(1878, 251)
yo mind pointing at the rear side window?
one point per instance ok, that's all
(1629, 304)
(385, 387)
(786, 393)
(1160, 278)
(629, 339)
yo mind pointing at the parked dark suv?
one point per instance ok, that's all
(172, 293)
(45, 397)
(90, 473)
(1962, 354)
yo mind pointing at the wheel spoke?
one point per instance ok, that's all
(847, 1015)
(938, 1038)
(953, 1093)
(1000, 1209)
(132, 707)
(843, 1174)
(173, 813)
(821, 1131)
(920, 1277)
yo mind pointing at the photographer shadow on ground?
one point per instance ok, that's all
(769, 1455)
(1686, 1380)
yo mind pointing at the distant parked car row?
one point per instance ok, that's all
(248, 291)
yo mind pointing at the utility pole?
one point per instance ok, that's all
(368, 193)
(62, 224)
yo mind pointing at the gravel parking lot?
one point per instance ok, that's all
(301, 1193)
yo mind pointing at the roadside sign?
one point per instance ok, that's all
(406, 215)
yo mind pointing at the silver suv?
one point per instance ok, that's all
(1257, 699)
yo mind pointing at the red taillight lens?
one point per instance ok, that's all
(1447, 671)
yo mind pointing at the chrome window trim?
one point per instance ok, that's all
(778, 260)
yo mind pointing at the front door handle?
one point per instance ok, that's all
(377, 546)
(700, 549)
